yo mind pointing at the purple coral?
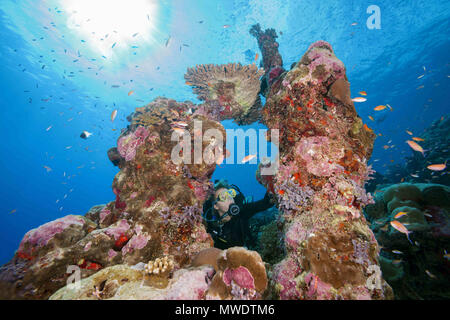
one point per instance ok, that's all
(360, 251)
(127, 145)
(293, 195)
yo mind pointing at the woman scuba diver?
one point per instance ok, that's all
(226, 214)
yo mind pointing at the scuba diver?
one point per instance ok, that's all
(226, 214)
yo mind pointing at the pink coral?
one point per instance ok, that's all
(138, 241)
(127, 145)
(295, 234)
(41, 236)
(317, 288)
(241, 276)
(284, 274)
(189, 284)
(118, 229)
(103, 213)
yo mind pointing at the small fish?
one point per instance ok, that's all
(379, 108)
(179, 130)
(396, 261)
(188, 83)
(371, 118)
(415, 146)
(400, 214)
(114, 44)
(414, 175)
(385, 147)
(397, 252)
(430, 274)
(420, 87)
(68, 147)
(12, 211)
(85, 135)
(48, 128)
(428, 215)
(113, 115)
(420, 76)
(134, 35)
(409, 132)
(401, 228)
(418, 139)
(363, 93)
(248, 158)
(256, 57)
(390, 108)
(354, 24)
(438, 167)
(359, 99)
(226, 26)
(367, 128)
(167, 42)
(180, 123)
(47, 168)
(130, 93)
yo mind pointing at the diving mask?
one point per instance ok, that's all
(226, 195)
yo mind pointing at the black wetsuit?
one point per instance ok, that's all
(236, 232)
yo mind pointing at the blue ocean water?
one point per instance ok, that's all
(66, 65)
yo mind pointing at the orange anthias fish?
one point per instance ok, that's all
(363, 93)
(367, 128)
(410, 133)
(379, 108)
(415, 146)
(248, 158)
(113, 115)
(400, 214)
(371, 118)
(359, 99)
(418, 139)
(401, 228)
(256, 57)
(438, 167)
(130, 93)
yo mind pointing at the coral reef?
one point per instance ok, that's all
(319, 186)
(418, 270)
(123, 282)
(241, 275)
(230, 91)
(330, 252)
(238, 274)
(272, 61)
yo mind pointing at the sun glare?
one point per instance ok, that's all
(109, 24)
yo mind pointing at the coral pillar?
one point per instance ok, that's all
(324, 147)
